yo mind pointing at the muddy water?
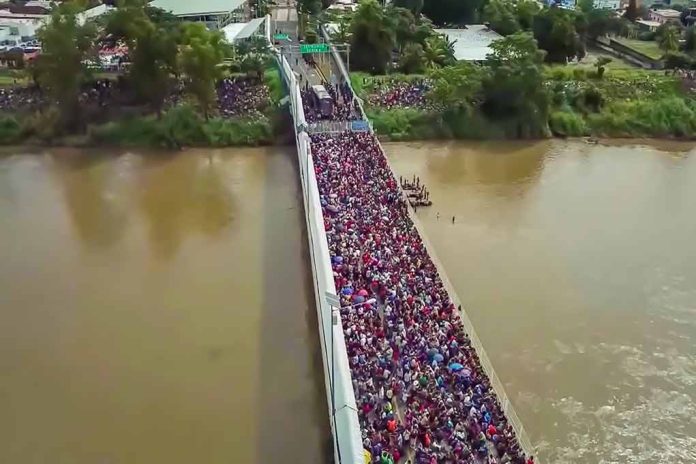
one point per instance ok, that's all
(156, 309)
(577, 264)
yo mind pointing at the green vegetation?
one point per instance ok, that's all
(183, 126)
(165, 55)
(648, 48)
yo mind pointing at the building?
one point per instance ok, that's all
(607, 4)
(664, 16)
(646, 25)
(473, 43)
(216, 14)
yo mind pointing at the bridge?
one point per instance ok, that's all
(331, 305)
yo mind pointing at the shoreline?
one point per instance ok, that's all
(85, 142)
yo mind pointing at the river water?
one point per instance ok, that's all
(157, 309)
(577, 265)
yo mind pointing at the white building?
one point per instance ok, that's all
(216, 14)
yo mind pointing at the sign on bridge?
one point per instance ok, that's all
(359, 126)
(281, 36)
(315, 48)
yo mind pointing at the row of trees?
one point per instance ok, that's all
(163, 53)
(379, 35)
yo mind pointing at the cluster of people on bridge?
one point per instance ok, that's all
(344, 106)
(420, 389)
(399, 94)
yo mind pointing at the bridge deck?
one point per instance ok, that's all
(306, 73)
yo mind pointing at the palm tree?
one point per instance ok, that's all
(669, 39)
(372, 40)
(438, 52)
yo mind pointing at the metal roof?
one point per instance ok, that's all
(200, 7)
(237, 31)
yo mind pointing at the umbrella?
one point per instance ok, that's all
(438, 357)
(362, 292)
(358, 299)
(455, 367)
(347, 291)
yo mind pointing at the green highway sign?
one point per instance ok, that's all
(315, 48)
(281, 37)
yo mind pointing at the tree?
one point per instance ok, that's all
(403, 24)
(668, 39)
(514, 90)
(601, 63)
(690, 39)
(414, 6)
(632, 12)
(458, 88)
(372, 38)
(438, 52)
(555, 32)
(586, 5)
(599, 23)
(500, 15)
(412, 60)
(305, 9)
(255, 64)
(526, 11)
(200, 56)
(67, 46)
(153, 63)
(342, 32)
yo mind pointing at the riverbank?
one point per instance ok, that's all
(618, 103)
(251, 116)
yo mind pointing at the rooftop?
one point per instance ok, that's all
(472, 43)
(668, 13)
(201, 7)
(238, 31)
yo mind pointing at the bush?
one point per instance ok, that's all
(679, 61)
(666, 117)
(44, 125)
(182, 126)
(276, 86)
(10, 130)
(646, 36)
(567, 124)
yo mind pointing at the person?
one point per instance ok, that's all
(452, 219)
(438, 216)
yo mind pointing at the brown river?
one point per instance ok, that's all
(158, 309)
(577, 266)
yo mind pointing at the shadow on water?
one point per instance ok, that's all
(181, 196)
(291, 404)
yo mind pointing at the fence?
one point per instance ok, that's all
(343, 413)
(497, 385)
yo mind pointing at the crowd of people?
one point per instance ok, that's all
(20, 98)
(241, 96)
(420, 389)
(393, 93)
(343, 107)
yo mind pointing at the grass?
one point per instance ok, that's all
(11, 77)
(648, 48)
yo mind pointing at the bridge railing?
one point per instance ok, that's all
(343, 412)
(505, 403)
